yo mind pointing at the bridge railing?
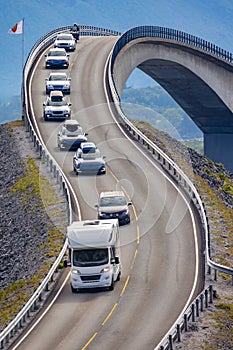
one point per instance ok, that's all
(171, 34)
(17, 324)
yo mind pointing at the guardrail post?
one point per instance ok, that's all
(197, 307)
(185, 322)
(193, 313)
(178, 333)
(170, 342)
(215, 275)
(206, 298)
(202, 305)
(211, 293)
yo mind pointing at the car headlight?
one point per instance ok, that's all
(75, 271)
(101, 213)
(125, 212)
(106, 269)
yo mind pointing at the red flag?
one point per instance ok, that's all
(17, 28)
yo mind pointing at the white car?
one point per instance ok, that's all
(88, 159)
(57, 81)
(65, 41)
(56, 106)
(71, 135)
(114, 205)
(57, 58)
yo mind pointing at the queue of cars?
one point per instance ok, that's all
(71, 136)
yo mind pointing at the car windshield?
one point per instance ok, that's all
(57, 77)
(56, 103)
(112, 201)
(56, 53)
(90, 257)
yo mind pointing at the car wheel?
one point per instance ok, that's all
(73, 290)
(119, 276)
(111, 287)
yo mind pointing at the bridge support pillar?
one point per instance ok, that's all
(219, 148)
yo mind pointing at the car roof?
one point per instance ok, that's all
(112, 194)
(71, 122)
(57, 73)
(87, 145)
(66, 34)
(56, 93)
(61, 49)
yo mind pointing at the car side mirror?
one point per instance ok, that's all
(69, 79)
(117, 260)
(46, 79)
(129, 203)
(86, 134)
(96, 206)
(44, 104)
(104, 157)
(69, 104)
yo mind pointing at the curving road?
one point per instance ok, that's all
(160, 255)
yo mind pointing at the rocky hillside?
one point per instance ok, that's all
(33, 219)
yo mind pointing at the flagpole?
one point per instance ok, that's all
(22, 84)
(23, 46)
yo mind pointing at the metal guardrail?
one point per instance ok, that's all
(16, 325)
(170, 34)
(167, 163)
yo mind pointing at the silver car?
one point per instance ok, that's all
(113, 205)
(57, 81)
(56, 106)
(88, 159)
(71, 135)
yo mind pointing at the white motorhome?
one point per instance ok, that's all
(94, 247)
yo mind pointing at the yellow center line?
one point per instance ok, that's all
(110, 314)
(134, 258)
(89, 341)
(131, 266)
(135, 213)
(138, 235)
(125, 285)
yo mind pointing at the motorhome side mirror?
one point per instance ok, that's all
(117, 260)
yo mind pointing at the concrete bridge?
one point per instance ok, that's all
(196, 73)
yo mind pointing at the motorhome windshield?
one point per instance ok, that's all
(90, 257)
